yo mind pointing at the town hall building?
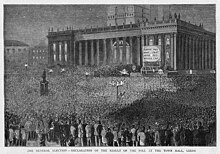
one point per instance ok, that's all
(136, 35)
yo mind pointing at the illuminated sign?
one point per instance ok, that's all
(151, 53)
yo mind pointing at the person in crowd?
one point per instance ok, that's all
(88, 134)
(168, 136)
(103, 134)
(150, 133)
(27, 127)
(96, 135)
(115, 134)
(11, 135)
(162, 135)
(195, 136)
(201, 134)
(80, 132)
(23, 136)
(141, 137)
(17, 136)
(134, 135)
(109, 137)
(73, 130)
(128, 136)
(157, 137)
(99, 130)
(188, 136)
(123, 138)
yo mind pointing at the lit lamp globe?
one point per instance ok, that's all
(160, 72)
(26, 65)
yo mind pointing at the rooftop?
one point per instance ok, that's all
(14, 43)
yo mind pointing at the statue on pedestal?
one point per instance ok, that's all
(44, 85)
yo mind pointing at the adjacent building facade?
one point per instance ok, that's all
(16, 51)
(38, 55)
(170, 44)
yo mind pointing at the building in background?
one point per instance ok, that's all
(16, 51)
(38, 55)
(165, 41)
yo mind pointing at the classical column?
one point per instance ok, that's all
(206, 59)
(80, 53)
(86, 52)
(187, 53)
(203, 54)
(111, 51)
(190, 52)
(131, 46)
(74, 53)
(199, 52)
(162, 50)
(116, 59)
(210, 54)
(193, 52)
(57, 52)
(141, 50)
(63, 52)
(124, 55)
(183, 52)
(214, 54)
(92, 52)
(196, 53)
(68, 53)
(104, 52)
(70, 57)
(50, 53)
(174, 52)
(138, 50)
(146, 40)
(97, 52)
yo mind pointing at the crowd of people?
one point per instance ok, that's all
(83, 133)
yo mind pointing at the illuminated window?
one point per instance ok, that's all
(168, 41)
(159, 41)
(36, 57)
(151, 42)
(33, 50)
(33, 57)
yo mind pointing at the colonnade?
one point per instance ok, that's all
(184, 51)
(195, 52)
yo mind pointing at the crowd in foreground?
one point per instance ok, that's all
(80, 133)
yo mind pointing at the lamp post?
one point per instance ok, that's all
(117, 84)
(26, 66)
(160, 72)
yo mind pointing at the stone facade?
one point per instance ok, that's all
(183, 45)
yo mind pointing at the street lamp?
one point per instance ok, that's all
(87, 75)
(117, 84)
(50, 71)
(160, 72)
(26, 65)
(62, 70)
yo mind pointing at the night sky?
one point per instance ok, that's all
(30, 23)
